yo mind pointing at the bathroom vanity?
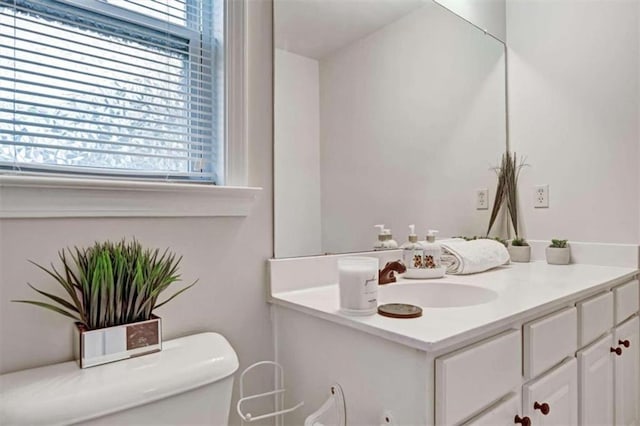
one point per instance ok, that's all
(523, 344)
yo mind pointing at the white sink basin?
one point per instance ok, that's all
(434, 294)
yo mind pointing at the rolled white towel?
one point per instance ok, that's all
(469, 257)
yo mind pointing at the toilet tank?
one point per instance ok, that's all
(188, 383)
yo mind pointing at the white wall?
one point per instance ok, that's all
(487, 14)
(412, 119)
(574, 99)
(297, 155)
(227, 254)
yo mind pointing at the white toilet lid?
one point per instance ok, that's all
(64, 393)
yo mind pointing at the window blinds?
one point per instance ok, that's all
(119, 87)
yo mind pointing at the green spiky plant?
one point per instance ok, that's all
(519, 242)
(507, 190)
(558, 243)
(111, 284)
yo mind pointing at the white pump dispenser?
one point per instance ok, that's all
(432, 251)
(389, 242)
(412, 252)
(385, 239)
(379, 245)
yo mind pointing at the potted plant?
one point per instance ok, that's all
(507, 192)
(519, 250)
(558, 253)
(112, 290)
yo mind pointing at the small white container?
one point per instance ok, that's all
(558, 256)
(358, 282)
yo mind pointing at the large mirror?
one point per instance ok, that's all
(386, 112)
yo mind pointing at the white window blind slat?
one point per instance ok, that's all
(119, 124)
(154, 151)
(131, 113)
(112, 87)
(50, 130)
(25, 24)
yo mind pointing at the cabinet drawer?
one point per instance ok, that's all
(627, 298)
(549, 340)
(472, 378)
(595, 318)
(500, 414)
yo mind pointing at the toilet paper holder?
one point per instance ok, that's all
(248, 417)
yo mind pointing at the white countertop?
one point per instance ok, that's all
(523, 290)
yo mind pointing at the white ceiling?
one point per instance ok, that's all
(316, 28)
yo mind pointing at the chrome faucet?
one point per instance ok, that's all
(387, 275)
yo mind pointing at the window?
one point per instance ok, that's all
(129, 88)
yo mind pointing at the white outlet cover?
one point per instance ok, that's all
(482, 199)
(541, 196)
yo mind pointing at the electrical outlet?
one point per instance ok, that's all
(541, 197)
(482, 199)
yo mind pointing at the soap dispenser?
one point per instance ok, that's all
(389, 243)
(432, 251)
(379, 245)
(385, 239)
(412, 251)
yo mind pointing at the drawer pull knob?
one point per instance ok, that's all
(524, 421)
(544, 407)
(618, 350)
(624, 343)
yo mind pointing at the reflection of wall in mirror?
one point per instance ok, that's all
(296, 156)
(411, 119)
(490, 15)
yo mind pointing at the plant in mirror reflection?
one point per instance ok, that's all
(507, 190)
(519, 242)
(558, 243)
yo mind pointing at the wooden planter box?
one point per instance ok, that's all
(104, 345)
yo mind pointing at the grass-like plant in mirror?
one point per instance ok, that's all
(507, 190)
(111, 284)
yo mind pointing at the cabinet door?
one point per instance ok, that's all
(553, 398)
(627, 374)
(595, 379)
(501, 414)
(471, 379)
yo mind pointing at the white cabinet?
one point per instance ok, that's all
(627, 300)
(553, 398)
(595, 376)
(549, 340)
(502, 414)
(472, 378)
(595, 318)
(627, 373)
(561, 368)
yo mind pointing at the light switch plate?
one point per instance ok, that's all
(482, 199)
(541, 197)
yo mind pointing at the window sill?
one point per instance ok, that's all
(56, 197)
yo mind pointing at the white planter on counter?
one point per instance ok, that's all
(520, 254)
(558, 256)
